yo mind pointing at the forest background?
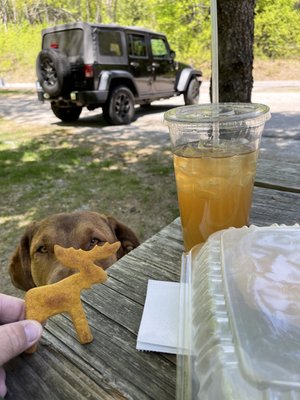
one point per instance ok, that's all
(185, 22)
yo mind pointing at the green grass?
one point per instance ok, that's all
(47, 170)
(6, 92)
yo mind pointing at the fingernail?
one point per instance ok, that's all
(33, 331)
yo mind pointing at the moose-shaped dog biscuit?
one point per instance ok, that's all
(64, 296)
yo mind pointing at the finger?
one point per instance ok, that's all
(3, 388)
(17, 337)
(11, 309)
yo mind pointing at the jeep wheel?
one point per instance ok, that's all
(119, 109)
(66, 114)
(191, 95)
(53, 71)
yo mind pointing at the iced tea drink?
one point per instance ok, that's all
(215, 148)
(214, 188)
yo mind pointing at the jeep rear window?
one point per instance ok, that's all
(69, 41)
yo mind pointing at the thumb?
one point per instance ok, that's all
(17, 337)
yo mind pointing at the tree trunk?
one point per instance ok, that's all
(235, 37)
(87, 10)
(98, 17)
(3, 14)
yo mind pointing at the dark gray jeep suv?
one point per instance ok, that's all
(109, 66)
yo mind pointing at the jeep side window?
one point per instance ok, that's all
(159, 48)
(110, 44)
(137, 46)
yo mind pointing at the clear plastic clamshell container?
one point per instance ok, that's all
(240, 316)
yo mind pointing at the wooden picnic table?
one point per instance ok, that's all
(111, 367)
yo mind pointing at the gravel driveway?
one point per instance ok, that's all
(281, 96)
(148, 130)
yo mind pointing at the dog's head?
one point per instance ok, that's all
(33, 262)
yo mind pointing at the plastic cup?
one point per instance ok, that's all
(215, 150)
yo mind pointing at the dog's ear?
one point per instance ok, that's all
(125, 235)
(20, 264)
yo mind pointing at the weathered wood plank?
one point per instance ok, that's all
(113, 355)
(284, 125)
(271, 206)
(49, 375)
(278, 175)
(280, 149)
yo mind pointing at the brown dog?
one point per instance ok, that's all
(34, 263)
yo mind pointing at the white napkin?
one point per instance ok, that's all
(159, 325)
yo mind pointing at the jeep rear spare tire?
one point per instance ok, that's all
(119, 109)
(53, 71)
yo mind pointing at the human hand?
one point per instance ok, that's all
(16, 334)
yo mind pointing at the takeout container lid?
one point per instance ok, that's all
(240, 316)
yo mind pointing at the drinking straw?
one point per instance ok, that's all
(215, 65)
(214, 52)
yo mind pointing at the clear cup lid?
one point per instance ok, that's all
(226, 114)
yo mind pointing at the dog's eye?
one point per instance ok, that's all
(42, 249)
(94, 242)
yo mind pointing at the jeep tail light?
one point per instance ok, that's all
(88, 71)
(54, 45)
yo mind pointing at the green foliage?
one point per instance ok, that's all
(277, 28)
(19, 45)
(186, 23)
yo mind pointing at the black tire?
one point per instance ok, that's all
(191, 95)
(66, 114)
(119, 109)
(53, 71)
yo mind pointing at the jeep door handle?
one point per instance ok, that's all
(134, 64)
(155, 65)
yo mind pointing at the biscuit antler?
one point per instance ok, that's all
(78, 258)
(64, 296)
